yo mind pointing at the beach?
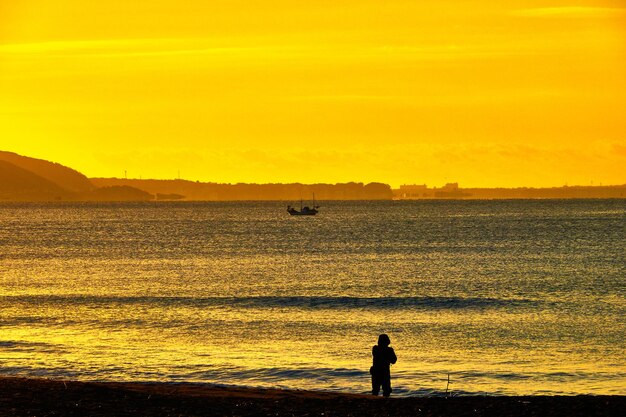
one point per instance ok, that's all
(43, 397)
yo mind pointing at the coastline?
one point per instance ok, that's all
(45, 397)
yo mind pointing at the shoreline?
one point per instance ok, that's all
(47, 397)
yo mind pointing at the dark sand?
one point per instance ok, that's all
(40, 397)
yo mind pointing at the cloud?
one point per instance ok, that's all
(256, 50)
(127, 47)
(346, 98)
(570, 12)
(619, 150)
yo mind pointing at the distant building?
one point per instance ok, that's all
(415, 191)
(421, 191)
(450, 190)
(450, 187)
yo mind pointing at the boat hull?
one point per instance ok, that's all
(294, 212)
(299, 213)
(304, 210)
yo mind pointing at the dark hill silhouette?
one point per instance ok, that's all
(63, 176)
(115, 193)
(29, 179)
(208, 191)
(18, 184)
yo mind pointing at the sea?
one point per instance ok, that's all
(510, 297)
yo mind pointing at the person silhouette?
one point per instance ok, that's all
(383, 356)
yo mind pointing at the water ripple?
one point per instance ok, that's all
(305, 302)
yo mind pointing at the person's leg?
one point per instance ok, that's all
(375, 385)
(386, 383)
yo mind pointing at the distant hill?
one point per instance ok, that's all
(115, 193)
(18, 184)
(207, 191)
(66, 178)
(29, 179)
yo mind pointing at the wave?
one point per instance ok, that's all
(25, 346)
(304, 302)
(431, 383)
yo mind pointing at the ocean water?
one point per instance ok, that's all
(504, 297)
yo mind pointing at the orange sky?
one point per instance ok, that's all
(486, 93)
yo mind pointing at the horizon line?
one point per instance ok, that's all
(360, 182)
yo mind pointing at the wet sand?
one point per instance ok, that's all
(42, 397)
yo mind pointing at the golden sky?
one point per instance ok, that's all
(484, 93)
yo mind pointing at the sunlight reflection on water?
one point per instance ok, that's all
(510, 297)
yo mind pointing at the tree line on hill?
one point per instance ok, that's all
(30, 179)
(203, 191)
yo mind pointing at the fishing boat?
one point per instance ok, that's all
(304, 211)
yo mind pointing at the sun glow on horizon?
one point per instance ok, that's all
(526, 93)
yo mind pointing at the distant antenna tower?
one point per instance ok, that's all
(179, 174)
(125, 175)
